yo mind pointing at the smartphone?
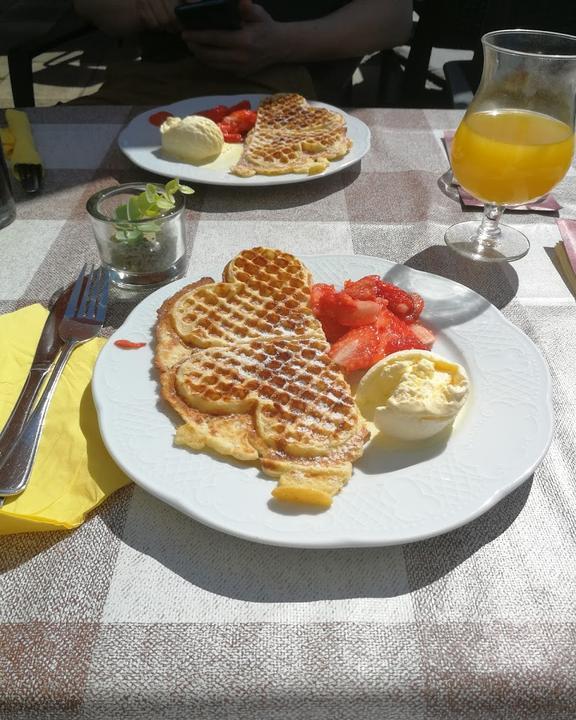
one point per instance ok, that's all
(209, 15)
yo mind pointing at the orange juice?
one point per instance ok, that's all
(509, 157)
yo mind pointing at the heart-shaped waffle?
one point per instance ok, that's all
(265, 295)
(300, 401)
(254, 381)
(291, 136)
(226, 313)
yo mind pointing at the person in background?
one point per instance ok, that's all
(310, 47)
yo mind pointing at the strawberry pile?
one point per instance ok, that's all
(235, 121)
(368, 320)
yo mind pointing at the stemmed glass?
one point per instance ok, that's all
(516, 140)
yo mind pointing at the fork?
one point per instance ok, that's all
(83, 319)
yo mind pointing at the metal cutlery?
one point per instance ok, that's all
(83, 319)
(46, 351)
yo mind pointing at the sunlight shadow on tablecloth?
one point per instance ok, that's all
(242, 570)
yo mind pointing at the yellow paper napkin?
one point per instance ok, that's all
(24, 150)
(8, 141)
(73, 472)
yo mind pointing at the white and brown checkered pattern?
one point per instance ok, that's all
(144, 613)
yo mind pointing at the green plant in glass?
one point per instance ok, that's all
(154, 202)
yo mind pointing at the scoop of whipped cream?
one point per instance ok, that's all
(191, 139)
(413, 394)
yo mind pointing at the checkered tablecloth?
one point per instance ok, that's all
(142, 613)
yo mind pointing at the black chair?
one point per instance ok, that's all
(21, 56)
(454, 24)
(463, 77)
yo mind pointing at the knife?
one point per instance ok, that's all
(46, 351)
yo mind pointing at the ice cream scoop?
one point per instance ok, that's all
(413, 394)
(192, 139)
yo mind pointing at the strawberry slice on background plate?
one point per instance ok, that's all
(159, 117)
(240, 121)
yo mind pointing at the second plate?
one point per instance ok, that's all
(140, 142)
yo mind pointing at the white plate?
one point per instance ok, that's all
(140, 142)
(396, 495)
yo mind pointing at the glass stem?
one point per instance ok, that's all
(488, 232)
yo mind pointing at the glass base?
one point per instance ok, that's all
(149, 280)
(7, 214)
(511, 243)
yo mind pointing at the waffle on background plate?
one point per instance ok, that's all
(244, 363)
(291, 136)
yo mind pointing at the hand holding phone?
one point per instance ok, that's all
(259, 42)
(209, 15)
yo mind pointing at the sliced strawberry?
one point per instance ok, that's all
(400, 302)
(418, 307)
(339, 306)
(216, 114)
(159, 117)
(332, 328)
(240, 121)
(354, 313)
(368, 320)
(407, 306)
(220, 113)
(357, 349)
(242, 105)
(367, 288)
(362, 347)
(322, 302)
(423, 334)
(389, 322)
(395, 334)
(321, 295)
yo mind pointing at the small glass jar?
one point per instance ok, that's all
(139, 253)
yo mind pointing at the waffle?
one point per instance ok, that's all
(265, 295)
(244, 363)
(291, 136)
